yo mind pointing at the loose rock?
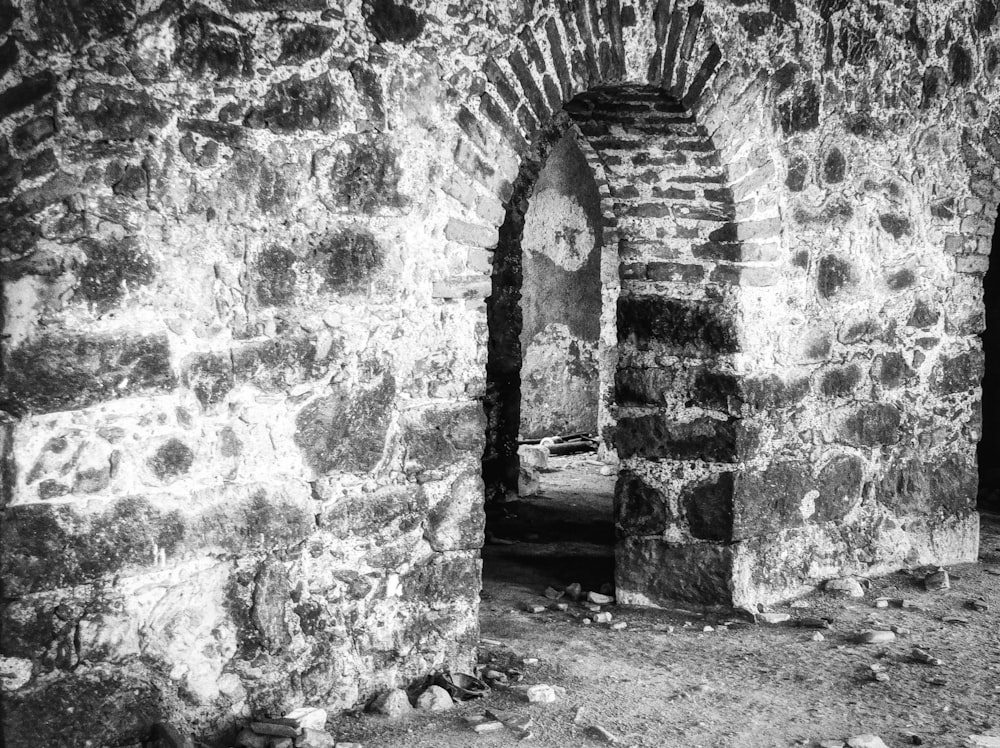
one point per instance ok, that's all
(541, 694)
(574, 591)
(308, 716)
(875, 637)
(937, 580)
(845, 587)
(394, 703)
(435, 699)
(312, 738)
(773, 618)
(597, 597)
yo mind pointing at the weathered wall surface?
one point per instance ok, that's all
(245, 247)
(561, 298)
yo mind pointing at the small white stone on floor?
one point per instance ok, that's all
(818, 637)
(592, 607)
(608, 470)
(541, 693)
(530, 660)
(348, 745)
(604, 617)
(597, 597)
(831, 744)
(487, 726)
(799, 604)
(845, 587)
(586, 621)
(618, 626)
(533, 608)
(394, 703)
(561, 607)
(866, 741)
(708, 628)
(436, 699)
(876, 636)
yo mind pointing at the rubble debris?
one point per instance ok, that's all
(845, 587)
(310, 717)
(599, 599)
(247, 738)
(818, 637)
(604, 617)
(528, 482)
(574, 591)
(878, 672)
(434, 699)
(167, 736)
(937, 580)
(553, 594)
(278, 728)
(541, 693)
(312, 738)
(866, 741)
(772, 619)
(534, 608)
(875, 636)
(618, 626)
(462, 686)
(978, 605)
(596, 732)
(533, 456)
(923, 656)
(984, 741)
(485, 726)
(394, 703)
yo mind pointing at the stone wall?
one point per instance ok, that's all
(245, 252)
(561, 298)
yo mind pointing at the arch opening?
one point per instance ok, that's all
(665, 338)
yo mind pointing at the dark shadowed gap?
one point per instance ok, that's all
(989, 445)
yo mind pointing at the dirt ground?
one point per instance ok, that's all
(682, 678)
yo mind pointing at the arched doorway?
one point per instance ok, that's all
(667, 378)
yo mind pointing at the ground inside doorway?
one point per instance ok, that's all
(562, 534)
(680, 678)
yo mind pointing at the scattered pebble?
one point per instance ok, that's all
(799, 604)
(541, 693)
(597, 597)
(818, 637)
(618, 626)
(604, 617)
(552, 593)
(561, 607)
(979, 606)
(534, 608)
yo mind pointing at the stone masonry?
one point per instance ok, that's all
(246, 248)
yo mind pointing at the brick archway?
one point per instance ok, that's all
(690, 182)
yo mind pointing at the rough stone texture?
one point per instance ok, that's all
(244, 356)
